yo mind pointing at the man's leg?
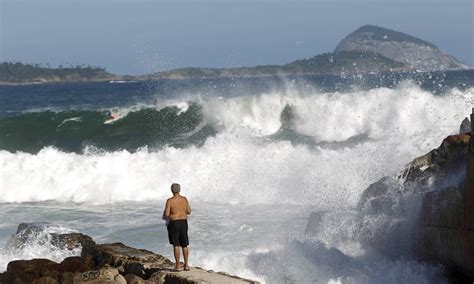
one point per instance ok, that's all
(176, 256)
(186, 255)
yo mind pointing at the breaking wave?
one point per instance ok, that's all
(110, 130)
(279, 147)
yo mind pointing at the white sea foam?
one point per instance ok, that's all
(237, 163)
(404, 111)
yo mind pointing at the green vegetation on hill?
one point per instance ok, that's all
(370, 32)
(350, 62)
(28, 73)
(345, 62)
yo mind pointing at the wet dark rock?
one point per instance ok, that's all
(375, 196)
(435, 168)
(465, 126)
(28, 233)
(24, 232)
(77, 264)
(73, 241)
(440, 168)
(287, 117)
(29, 270)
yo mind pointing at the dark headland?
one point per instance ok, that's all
(367, 50)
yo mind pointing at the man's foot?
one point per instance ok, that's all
(178, 267)
(186, 268)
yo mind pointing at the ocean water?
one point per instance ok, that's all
(255, 157)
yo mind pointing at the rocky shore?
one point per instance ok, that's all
(100, 264)
(432, 201)
(424, 213)
(446, 219)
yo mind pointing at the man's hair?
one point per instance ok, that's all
(175, 188)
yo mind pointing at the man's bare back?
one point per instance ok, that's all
(176, 213)
(177, 208)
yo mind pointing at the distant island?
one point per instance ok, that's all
(19, 73)
(367, 50)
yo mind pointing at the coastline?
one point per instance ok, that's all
(45, 81)
(174, 77)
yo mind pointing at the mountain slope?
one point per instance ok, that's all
(350, 62)
(411, 51)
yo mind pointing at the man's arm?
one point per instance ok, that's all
(167, 212)
(188, 208)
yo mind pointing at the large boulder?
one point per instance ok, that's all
(27, 271)
(130, 260)
(440, 168)
(44, 233)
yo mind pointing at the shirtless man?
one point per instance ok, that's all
(176, 212)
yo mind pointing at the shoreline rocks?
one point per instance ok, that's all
(424, 213)
(434, 198)
(101, 263)
(446, 224)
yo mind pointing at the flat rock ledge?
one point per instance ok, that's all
(107, 263)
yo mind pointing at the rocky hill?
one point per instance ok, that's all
(369, 49)
(413, 52)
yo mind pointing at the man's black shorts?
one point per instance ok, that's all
(178, 233)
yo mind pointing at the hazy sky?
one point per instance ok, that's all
(135, 37)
